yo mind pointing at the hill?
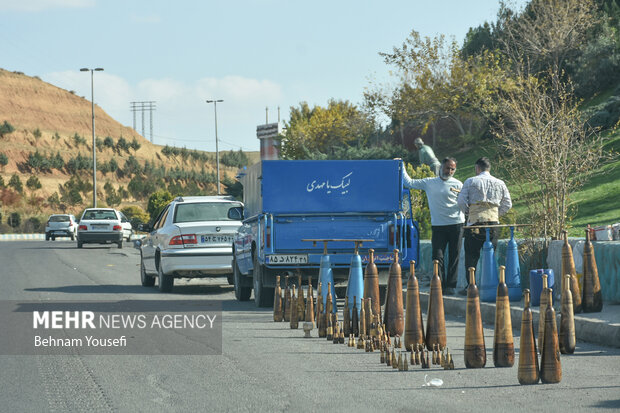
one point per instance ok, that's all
(52, 124)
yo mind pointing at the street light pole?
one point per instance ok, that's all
(217, 150)
(92, 99)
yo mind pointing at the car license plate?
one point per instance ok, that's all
(99, 226)
(216, 239)
(287, 259)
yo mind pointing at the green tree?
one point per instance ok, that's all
(33, 183)
(136, 215)
(16, 183)
(6, 128)
(135, 145)
(54, 200)
(419, 205)
(4, 160)
(324, 129)
(108, 142)
(157, 201)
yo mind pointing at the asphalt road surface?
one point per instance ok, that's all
(263, 366)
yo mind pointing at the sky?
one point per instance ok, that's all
(252, 54)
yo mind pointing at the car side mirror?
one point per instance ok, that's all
(235, 213)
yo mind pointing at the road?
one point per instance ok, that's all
(264, 366)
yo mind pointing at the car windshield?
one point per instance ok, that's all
(203, 211)
(59, 218)
(99, 214)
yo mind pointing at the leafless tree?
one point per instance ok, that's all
(549, 151)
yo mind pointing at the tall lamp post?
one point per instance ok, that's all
(92, 98)
(217, 151)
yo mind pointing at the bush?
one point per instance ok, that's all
(56, 136)
(36, 133)
(1, 182)
(16, 183)
(78, 140)
(108, 142)
(14, 220)
(132, 166)
(236, 159)
(6, 128)
(34, 225)
(157, 201)
(33, 183)
(122, 145)
(4, 160)
(135, 145)
(136, 215)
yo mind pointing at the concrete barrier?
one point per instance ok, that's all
(607, 254)
(22, 237)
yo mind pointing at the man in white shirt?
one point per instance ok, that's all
(446, 218)
(483, 199)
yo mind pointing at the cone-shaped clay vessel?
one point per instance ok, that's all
(475, 350)
(393, 316)
(528, 372)
(346, 317)
(301, 302)
(355, 324)
(568, 267)
(362, 320)
(550, 366)
(294, 321)
(567, 320)
(287, 300)
(542, 310)
(503, 343)
(321, 320)
(592, 300)
(277, 302)
(414, 328)
(436, 319)
(371, 283)
(309, 317)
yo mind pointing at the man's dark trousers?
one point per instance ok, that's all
(474, 240)
(450, 236)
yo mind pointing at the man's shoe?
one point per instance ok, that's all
(449, 291)
(463, 292)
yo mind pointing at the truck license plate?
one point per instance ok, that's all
(287, 259)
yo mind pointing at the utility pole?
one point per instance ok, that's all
(217, 150)
(92, 100)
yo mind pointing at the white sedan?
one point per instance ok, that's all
(191, 237)
(100, 226)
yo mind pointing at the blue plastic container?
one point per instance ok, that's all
(513, 270)
(326, 276)
(355, 286)
(536, 284)
(488, 279)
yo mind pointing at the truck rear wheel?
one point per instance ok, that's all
(242, 293)
(263, 296)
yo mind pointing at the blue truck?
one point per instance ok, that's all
(289, 201)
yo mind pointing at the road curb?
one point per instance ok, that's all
(586, 329)
(22, 237)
